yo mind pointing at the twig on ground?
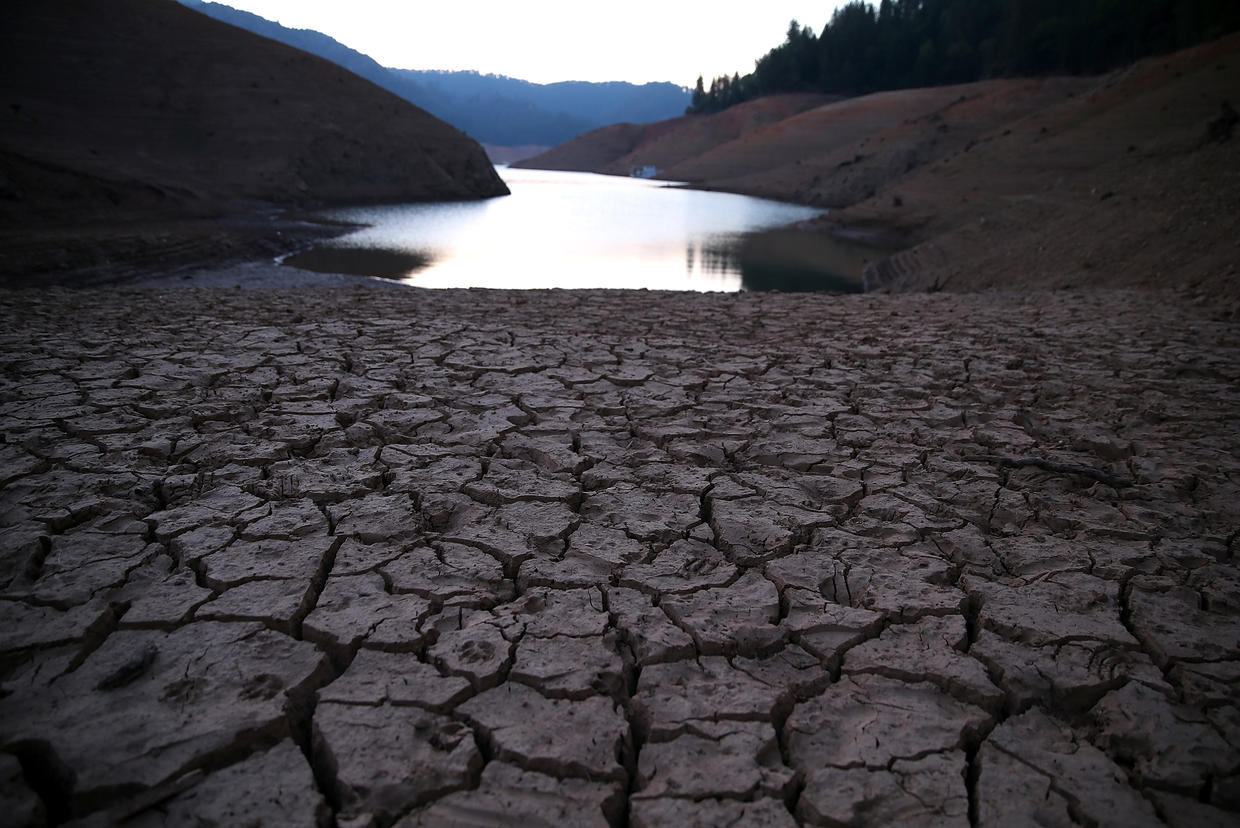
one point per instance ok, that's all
(1052, 466)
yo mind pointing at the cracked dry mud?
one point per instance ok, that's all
(458, 558)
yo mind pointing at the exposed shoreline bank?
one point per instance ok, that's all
(101, 251)
(243, 248)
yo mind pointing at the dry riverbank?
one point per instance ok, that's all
(604, 556)
(1131, 179)
(117, 251)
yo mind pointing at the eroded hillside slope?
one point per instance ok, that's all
(1135, 182)
(143, 104)
(1127, 179)
(620, 148)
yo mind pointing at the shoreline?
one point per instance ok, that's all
(98, 251)
(249, 250)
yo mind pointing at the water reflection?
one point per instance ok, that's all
(362, 261)
(716, 255)
(578, 230)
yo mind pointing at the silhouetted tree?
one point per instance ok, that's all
(699, 97)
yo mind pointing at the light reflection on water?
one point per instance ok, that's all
(567, 230)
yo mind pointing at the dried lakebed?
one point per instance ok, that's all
(427, 558)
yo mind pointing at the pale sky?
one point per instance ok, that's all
(633, 40)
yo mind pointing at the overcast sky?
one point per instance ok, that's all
(544, 42)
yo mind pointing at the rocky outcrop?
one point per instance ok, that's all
(144, 105)
(434, 557)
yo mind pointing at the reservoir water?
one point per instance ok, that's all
(580, 230)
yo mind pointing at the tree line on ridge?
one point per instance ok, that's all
(902, 44)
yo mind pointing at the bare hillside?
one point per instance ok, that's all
(842, 153)
(1134, 182)
(1130, 179)
(145, 105)
(618, 149)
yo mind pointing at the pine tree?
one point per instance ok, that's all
(699, 97)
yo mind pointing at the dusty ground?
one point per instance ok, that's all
(618, 558)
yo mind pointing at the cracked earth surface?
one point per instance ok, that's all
(437, 558)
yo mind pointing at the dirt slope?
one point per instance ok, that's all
(618, 149)
(842, 153)
(1049, 182)
(593, 151)
(145, 105)
(1121, 185)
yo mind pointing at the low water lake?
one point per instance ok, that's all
(580, 230)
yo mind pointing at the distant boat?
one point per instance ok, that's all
(647, 171)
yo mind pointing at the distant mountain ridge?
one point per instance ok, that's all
(496, 109)
(492, 109)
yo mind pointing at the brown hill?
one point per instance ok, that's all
(1124, 184)
(1047, 182)
(620, 148)
(842, 153)
(592, 151)
(141, 105)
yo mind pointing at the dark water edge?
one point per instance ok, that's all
(786, 260)
(360, 261)
(797, 261)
